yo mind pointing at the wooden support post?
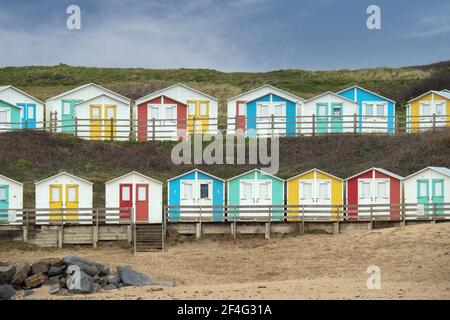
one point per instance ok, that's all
(198, 230)
(313, 125)
(112, 128)
(303, 220)
(370, 226)
(153, 130)
(95, 231)
(267, 230)
(75, 124)
(130, 233)
(272, 125)
(434, 213)
(434, 122)
(336, 228)
(355, 123)
(403, 207)
(25, 233)
(60, 237)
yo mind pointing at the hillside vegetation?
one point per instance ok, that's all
(31, 156)
(399, 84)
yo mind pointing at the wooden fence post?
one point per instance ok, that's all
(313, 125)
(272, 124)
(55, 121)
(434, 213)
(153, 129)
(268, 224)
(75, 123)
(95, 233)
(434, 122)
(396, 124)
(112, 128)
(198, 226)
(371, 218)
(355, 123)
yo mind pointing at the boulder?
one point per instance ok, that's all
(7, 273)
(39, 267)
(100, 280)
(53, 262)
(52, 281)
(129, 277)
(27, 293)
(56, 271)
(102, 270)
(55, 289)
(80, 283)
(21, 274)
(63, 282)
(113, 278)
(86, 266)
(7, 291)
(109, 287)
(34, 281)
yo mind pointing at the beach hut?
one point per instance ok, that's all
(137, 191)
(62, 108)
(11, 199)
(256, 188)
(103, 118)
(321, 193)
(374, 188)
(9, 117)
(328, 113)
(31, 109)
(429, 188)
(196, 188)
(172, 108)
(375, 112)
(252, 112)
(428, 111)
(67, 192)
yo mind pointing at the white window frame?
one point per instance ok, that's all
(361, 182)
(138, 196)
(444, 104)
(242, 109)
(8, 118)
(302, 194)
(242, 187)
(130, 191)
(388, 188)
(192, 104)
(199, 183)
(318, 182)
(183, 190)
(269, 189)
(430, 108)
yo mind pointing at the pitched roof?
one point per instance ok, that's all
(60, 174)
(439, 93)
(9, 179)
(195, 170)
(22, 92)
(85, 86)
(318, 170)
(253, 170)
(101, 95)
(9, 104)
(292, 96)
(386, 172)
(442, 170)
(364, 89)
(160, 92)
(129, 174)
(332, 93)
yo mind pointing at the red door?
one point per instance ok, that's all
(240, 115)
(142, 202)
(126, 200)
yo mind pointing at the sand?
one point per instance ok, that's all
(414, 263)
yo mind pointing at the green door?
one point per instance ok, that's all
(322, 118)
(423, 199)
(437, 196)
(68, 115)
(336, 117)
(4, 203)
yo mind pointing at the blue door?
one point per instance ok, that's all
(4, 203)
(28, 115)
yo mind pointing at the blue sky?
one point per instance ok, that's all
(227, 35)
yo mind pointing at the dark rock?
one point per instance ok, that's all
(52, 281)
(100, 280)
(7, 273)
(109, 287)
(35, 281)
(27, 293)
(53, 262)
(103, 270)
(7, 291)
(97, 288)
(80, 283)
(113, 278)
(56, 271)
(55, 289)
(39, 267)
(133, 278)
(63, 282)
(21, 274)
(86, 266)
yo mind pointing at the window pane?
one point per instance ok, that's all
(365, 189)
(126, 192)
(380, 110)
(56, 195)
(204, 191)
(425, 109)
(440, 109)
(279, 110)
(241, 109)
(369, 109)
(72, 194)
(188, 191)
(323, 190)
(192, 107)
(30, 112)
(438, 186)
(248, 192)
(66, 108)
(203, 109)
(170, 113)
(264, 110)
(154, 113)
(264, 191)
(109, 113)
(322, 110)
(423, 189)
(3, 194)
(306, 189)
(382, 189)
(337, 111)
(3, 116)
(96, 113)
(142, 193)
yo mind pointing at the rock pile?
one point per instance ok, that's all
(70, 275)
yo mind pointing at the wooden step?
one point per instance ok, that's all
(149, 237)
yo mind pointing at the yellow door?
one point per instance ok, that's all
(55, 201)
(96, 131)
(110, 121)
(72, 201)
(200, 110)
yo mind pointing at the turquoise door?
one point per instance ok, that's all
(28, 115)
(437, 196)
(4, 203)
(68, 115)
(336, 117)
(322, 118)
(423, 199)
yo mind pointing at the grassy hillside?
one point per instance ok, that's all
(32, 156)
(399, 84)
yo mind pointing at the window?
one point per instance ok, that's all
(56, 194)
(369, 110)
(170, 113)
(380, 110)
(3, 195)
(188, 191)
(109, 113)
(365, 190)
(264, 110)
(278, 110)
(66, 108)
(264, 191)
(142, 193)
(306, 190)
(204, 191)
(322, 110)
(30, 113)
(154, 112)
(126, 193)
(324, 190)
(203, 109)
(438, 189)
(425, 109)
(423, 189)
(192, 106)
(242, 109)
(71, 194)
(382, 190)
(248, 192)
(440, 109)
(3, 116)
(96, 113)
(337, 111)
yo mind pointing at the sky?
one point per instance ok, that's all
(226, 35)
